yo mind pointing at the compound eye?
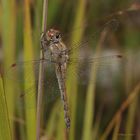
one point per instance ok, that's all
(57, 36)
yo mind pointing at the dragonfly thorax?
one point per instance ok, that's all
(58, 50)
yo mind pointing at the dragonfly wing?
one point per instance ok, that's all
(17, 70)
(90, 38)
(50, 90)
(84, 66)
(22, 72)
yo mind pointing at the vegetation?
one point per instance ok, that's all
(103, 103)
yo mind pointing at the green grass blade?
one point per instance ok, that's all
(37, 27)
(53, 121)
(116, 129)
(130, 120)
(30, 113)
(89, 112)
(96, 129)
(90, 99)
(5, 131)
(0, 17)
(53, 9)
(72, 80)
(8, 44)
(60, 129)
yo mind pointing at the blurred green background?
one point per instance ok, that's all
(104, 109)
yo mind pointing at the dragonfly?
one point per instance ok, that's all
(58, 55)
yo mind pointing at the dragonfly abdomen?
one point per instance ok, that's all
(60, 72)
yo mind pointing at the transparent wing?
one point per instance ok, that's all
(17, 74)
(82, 64)
(83, 61)
(89, 37)
(83, 67)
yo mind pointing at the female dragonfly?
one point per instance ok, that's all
(56, 53)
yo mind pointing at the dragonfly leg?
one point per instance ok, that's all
(67, 120)
(43, 41)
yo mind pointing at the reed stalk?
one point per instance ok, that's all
(41, 73)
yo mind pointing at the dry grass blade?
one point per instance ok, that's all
(123, 107)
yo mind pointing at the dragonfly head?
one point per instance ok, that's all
(53, 36)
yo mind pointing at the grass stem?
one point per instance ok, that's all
(41, 73)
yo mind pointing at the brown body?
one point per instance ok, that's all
(60, 58)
